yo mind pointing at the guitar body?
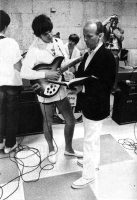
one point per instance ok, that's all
(45, 88)
(41, 86)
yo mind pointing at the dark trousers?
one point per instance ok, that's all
(66, 110)
(115, 53)
(9, 114)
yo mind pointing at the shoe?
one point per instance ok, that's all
(81, 183)
(2, 145)
(77, 154)
(80, 163)
(52, 157)
(9, 149)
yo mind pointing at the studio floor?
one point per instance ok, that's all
(29, 176)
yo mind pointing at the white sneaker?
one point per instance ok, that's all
(9, 149)
(77, 154)
(80, 163)
(81, 183)
(52, 157)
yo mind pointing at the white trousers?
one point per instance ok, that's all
(91, 147)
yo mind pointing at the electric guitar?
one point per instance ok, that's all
(44, 87)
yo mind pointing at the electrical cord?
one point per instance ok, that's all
(15, 158)
(128, 143)
(19, 162)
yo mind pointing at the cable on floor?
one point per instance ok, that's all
(128, 143)
(19, 162)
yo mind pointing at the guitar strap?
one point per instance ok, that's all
(59, 47)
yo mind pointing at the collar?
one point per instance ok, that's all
(38, 42)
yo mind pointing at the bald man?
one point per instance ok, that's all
(94, 97)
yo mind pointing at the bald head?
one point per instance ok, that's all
(92, 32)
(95, 25)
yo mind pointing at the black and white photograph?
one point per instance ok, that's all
(68, 99)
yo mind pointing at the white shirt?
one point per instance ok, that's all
(92, 53)
(89, 58)
(41, 52)
(75, 54)
(9, 55)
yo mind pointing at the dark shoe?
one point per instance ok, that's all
(2, 145)
(9, 149)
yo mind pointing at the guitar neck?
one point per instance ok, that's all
(71, 64)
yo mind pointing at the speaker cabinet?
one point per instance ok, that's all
(30, 116)
(125, 105)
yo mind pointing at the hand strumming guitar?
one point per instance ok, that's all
(68, 75)
(52, 75)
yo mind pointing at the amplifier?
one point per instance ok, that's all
(125, 107)
(127, 87)
(30, 116)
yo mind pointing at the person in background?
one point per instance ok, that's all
(71, 49)
(113, 34)
(10, 86)
(94, 97)
(113, 38)
(45, 49)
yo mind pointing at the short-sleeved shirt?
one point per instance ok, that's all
(75, 54)
(9, 55)
(41, 52)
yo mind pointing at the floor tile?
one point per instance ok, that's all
(10, 188)
(8, 169)
(57, 187)
(117, 181)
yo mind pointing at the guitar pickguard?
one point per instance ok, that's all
(41, 86)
